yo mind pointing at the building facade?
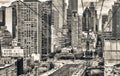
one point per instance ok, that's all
(111, 55)
(73, 5)
(57, 24)
(2, 16)
(46, 28)
(72, 20)
(116, 19)
(33, 26)
(74, 30)
(89, 22)
(11, 21)
(13, 52)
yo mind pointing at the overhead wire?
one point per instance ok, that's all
(82, 4)
(114, 13)
(37, 13)
(101, 9)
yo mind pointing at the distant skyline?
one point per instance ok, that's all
(107, 4)
(8, 2)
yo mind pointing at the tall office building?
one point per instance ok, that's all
(10, 18)
(73, 5)
(79, 33)
(72, 10)
(90, 19)
(86, 20)
(32, 26)
(74, 30)
(116, 19)
(57, 24)
(46, 28)
(65, 27)
(111, 42)
(111, 55)
(2, 16)
(54, 29)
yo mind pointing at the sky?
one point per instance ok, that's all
(7, 2)
(106, 6)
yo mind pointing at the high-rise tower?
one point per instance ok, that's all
(90, 19)
(33, 26)
(116, 19)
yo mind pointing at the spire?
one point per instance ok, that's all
(91, 4)
(92, 7)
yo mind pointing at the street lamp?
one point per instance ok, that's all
(1, 37)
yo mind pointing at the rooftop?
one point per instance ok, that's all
(3, 66)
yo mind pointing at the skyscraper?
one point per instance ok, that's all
(46, 28)
(74, 30)
(116, 19)
(10, 20)
(90, 19)
(57, 23)
(104, 20)
(33, 26)
(2, 16)
(71, 11)
(86, 20)
(73, 5)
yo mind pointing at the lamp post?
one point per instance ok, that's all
(1, 37)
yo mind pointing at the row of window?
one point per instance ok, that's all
(13, 54)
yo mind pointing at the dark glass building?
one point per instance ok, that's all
(116, 19)
(89, 22)
(2, 16)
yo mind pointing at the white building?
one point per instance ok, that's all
(10, 20)
(13, 52)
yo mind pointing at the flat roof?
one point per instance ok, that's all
(3, 66)
(112, 38)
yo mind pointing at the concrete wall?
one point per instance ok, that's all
(111, 55)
